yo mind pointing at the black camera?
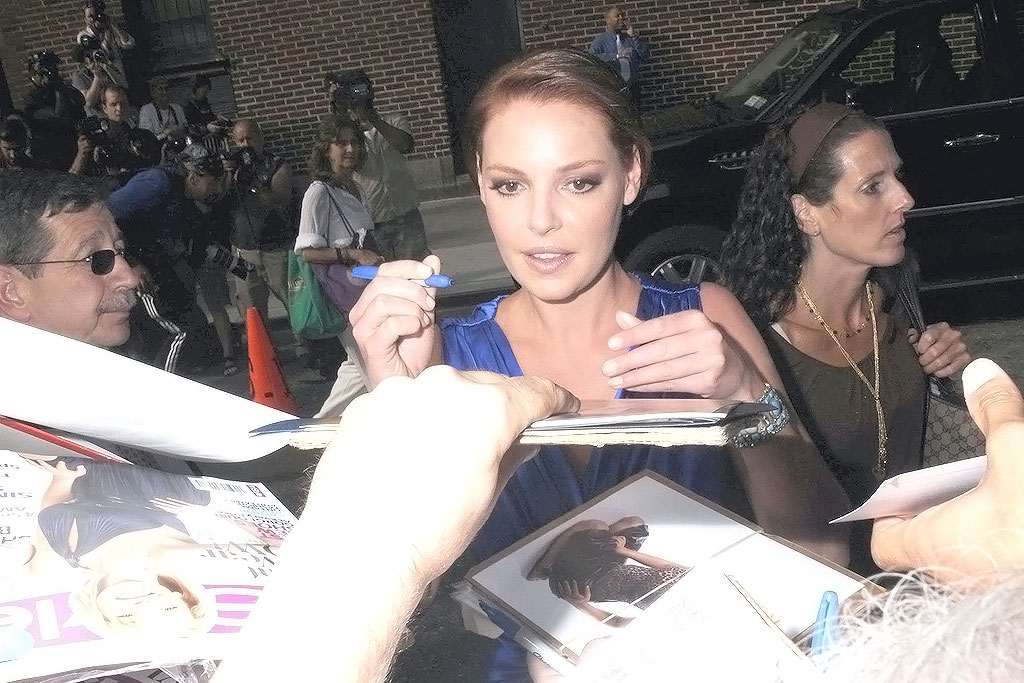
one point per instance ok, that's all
(133, 150)
(251, 169)
(96, 129)
(220, 255)
(46, 65)
(178, 140)
(246, 161)
(348, 87)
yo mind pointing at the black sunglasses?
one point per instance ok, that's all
(101, 262)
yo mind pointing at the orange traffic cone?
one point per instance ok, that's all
(266, 381)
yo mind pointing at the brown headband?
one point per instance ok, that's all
(809, 130)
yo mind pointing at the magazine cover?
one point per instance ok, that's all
(589, 574)
(106, 566)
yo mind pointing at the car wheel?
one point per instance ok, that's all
(680, 254)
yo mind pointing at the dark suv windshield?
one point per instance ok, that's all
(773, 73)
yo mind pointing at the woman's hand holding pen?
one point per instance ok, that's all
(393, 321)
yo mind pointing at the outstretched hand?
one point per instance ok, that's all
(393, 321)
(982, 530)
(429, 481)
(679, 352)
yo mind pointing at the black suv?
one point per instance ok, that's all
(961, 147)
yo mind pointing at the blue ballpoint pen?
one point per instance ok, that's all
(828, 613)
(370, 272)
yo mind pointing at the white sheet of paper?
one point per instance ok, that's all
(913, 492)
(703, 627)
(66, 384)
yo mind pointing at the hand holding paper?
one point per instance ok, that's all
(982, 530)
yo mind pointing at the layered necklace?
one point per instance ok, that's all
(883, 436)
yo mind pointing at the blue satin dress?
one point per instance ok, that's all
(547, 486)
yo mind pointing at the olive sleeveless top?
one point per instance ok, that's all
(839, 413)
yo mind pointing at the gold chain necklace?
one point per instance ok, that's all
(832, 330)
(883, 437)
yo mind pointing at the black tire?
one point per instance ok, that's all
(680, 253)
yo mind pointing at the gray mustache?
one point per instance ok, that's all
(120, 302)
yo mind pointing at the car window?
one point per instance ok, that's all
(1015, 48)
(912, 63)
(772, 74)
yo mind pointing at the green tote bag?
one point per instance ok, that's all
(311, 314)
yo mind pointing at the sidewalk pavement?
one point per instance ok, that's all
(458, 233)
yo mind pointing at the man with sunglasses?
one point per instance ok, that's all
(158, 210)
(62, 265)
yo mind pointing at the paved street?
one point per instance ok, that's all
(992, 320)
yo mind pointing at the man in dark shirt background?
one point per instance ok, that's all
(262, 229)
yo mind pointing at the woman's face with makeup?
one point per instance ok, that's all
(553, 184)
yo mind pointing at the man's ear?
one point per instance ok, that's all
(806, 215)
(12, 302)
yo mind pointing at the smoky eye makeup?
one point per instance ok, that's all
(505, 187)
(583, 184)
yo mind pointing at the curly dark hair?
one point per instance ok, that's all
(764, 251)
(587, 556)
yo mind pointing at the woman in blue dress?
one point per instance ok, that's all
(558, 152)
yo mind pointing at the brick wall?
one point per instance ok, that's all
(279, 50)
(697, 45)
(28, 26)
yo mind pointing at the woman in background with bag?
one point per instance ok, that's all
(333, 228)
(815, 256)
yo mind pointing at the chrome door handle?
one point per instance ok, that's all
(731, 161)
(972, 140)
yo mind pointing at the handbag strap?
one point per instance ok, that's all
(337, 207)
(908, 293)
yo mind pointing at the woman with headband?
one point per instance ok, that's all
(814, 256)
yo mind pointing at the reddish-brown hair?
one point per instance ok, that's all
(560, 75)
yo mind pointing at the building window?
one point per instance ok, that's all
(179, 33)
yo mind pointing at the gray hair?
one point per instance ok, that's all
(965, 631)
(27, 198)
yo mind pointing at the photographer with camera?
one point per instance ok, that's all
(199, 112)
(111, 145)
(112, 40)
(52, 109)
(93, 73)
(398, 225)
(161, 117)
(158, 211)
(262, 229)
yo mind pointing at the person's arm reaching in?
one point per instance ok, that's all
(426, 487)
(981, 531)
